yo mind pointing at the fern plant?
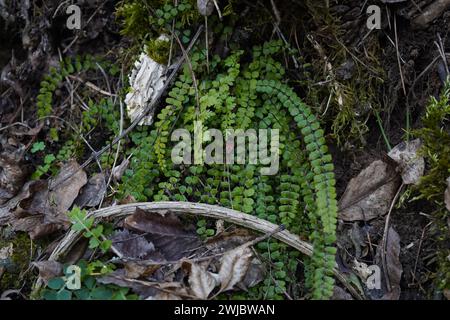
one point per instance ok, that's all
(101, 115)
(302, 196)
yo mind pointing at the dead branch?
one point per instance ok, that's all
(430, 13)
(205, 210)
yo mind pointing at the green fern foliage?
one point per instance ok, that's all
(301, 196)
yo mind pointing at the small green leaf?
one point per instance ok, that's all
(64, 295)
(56, 283)
(37, 146)
(93, 243)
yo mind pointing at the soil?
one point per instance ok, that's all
(32, 43)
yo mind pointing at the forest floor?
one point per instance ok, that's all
(371, 89)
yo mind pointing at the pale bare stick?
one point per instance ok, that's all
(205, 210)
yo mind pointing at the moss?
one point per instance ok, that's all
(353, 93)
(435, 135)
(158, 50)
(14, 276)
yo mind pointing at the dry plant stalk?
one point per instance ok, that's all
(204, 210)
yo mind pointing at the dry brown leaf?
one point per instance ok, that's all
(26, 192)
(65, 190)
(138, 269)
(93, 192)
(43, 230)
(341, 294)
(132, 245)
(164, 296)
(393, 265)
(6, 252)
(143, 288)
(254, 275)
(49, 269)
(411, 165)
(118, 171)
(228, 240)
(167, 233)
(201, 281)
(12, 174)
(234, 266)
(370, 194)
(41, 212)
(447, 294)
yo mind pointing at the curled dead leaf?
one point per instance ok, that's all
(370, 194)
(93, 192)
(201, 281)
(65, 188)
(167, 233)
(410, 164)
(118, 171)
(6, 252)
(12, 174)
(49, 269)
(234, 266)
(393, 268)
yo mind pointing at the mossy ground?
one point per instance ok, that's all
(18, 273)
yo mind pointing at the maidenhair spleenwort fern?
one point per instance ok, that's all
(323, 184)
(301, 196)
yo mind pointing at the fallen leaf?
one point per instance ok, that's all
(93, 192)
(226, 241)
(41, 212)
(341, 294)
(164, 296)
(229, 240)
(49, 269)
(393, 265)
(37, 200)
(131, 245)
(447, 195)
(411, 165)
(43, 230)
(201, 281)
(167, 233)
(447, 294)
(64, 190)
(5, 209)
(118, 171)
(6, 252)
(254, 275)
(12, 174)
(144, 289)
(139, 269)
(234, 266)
(370, 194)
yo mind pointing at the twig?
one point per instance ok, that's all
(398, 55)
(441, 49)
(420, 248)
(434, 10)
(276, 12)
(191, 69)
(211, 211)
(385, 236)
(92, 86)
